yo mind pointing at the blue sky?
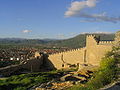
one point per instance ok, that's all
(57, 18)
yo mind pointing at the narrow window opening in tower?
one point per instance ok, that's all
(85, 56)
(62, 65)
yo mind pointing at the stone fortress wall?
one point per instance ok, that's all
(91, 54)
(75, 56)
(95, 49)
(33, 65)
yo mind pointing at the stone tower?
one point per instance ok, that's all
(91, 45)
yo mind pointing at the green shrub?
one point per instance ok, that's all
(25, 81)
(107, 63)
(40, 79)
(20, 88)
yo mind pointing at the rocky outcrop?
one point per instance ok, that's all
(66, 81)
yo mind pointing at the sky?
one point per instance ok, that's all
(57, 19)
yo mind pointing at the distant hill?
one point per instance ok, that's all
(75, 42)
(24, 41)
(80, 40)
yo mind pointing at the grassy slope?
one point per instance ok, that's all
(26, 81)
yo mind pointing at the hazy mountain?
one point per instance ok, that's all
(80, 40)
(75, 42)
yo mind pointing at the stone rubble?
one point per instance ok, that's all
(66, 81)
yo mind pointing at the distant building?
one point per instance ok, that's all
(37, 54)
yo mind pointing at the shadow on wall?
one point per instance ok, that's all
(41, 64)
(33, 65)
(47, 64)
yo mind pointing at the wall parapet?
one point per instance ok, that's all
(91, 35)
(72, 50)
(106, 42)
(91, 54)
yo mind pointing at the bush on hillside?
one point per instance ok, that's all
(105, 74)
(23, 81)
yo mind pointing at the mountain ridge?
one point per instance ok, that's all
(74, 42)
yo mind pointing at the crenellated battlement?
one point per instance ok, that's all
(106, 42)
(69, 51)
(91, 40)
(91, 35)
(91, 54)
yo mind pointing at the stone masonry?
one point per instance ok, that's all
(91, 54)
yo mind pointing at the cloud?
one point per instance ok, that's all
(99, 18)
(72, 34)
(26, 31)
(61, 36)
(97, 32)
(78, 6)
(77, 10)
(66, 36)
